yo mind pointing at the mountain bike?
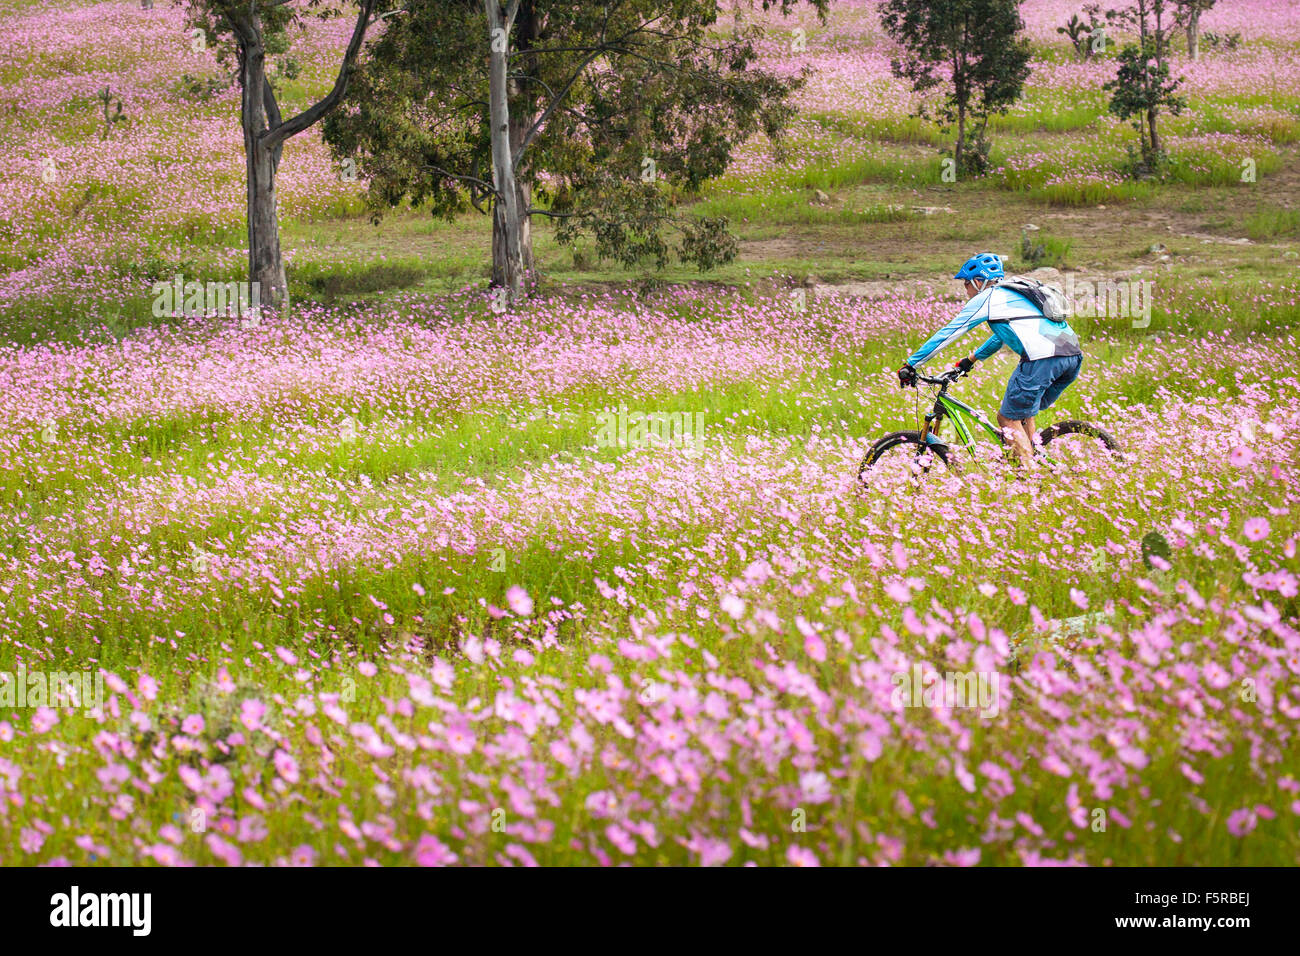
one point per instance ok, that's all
(1074, 446)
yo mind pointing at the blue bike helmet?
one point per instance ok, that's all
(983, 265)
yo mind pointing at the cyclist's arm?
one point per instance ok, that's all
(992, 345)
(973, 314)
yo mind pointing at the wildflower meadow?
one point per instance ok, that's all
(396, 574)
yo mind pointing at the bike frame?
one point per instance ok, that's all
(963, 417)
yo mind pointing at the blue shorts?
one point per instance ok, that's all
(1037, 383)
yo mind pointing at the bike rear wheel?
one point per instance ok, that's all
(1079, 446)
(900, 456)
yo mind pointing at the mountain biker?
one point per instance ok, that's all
(1050, 357)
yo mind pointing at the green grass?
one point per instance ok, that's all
(1272, 221)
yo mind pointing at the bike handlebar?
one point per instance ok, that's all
(945, 378)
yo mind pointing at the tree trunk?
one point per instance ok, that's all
(1194, 35)
(961, 137)
(1155, 139)
(508, 269)
(265, 261)
(518, 127)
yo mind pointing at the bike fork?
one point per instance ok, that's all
(931, 428)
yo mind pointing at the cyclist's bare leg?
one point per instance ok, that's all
(1031, 430)
(1017, 432)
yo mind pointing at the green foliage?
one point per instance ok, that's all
(1142, 86)
(618, 113)
(202, 88)
(112, 107)
(213, 17)
(1088, 37)
(1044, 251)
(974, 159)
(1221, 41)
(1268, 222)
(287, 69)
(350, 281)
(1148, 164)
(971, 48)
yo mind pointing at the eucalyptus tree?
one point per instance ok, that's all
(601, 116)
(250, 36)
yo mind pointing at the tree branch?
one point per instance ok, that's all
(292, 127)
(269, 104)
(486, 186)
(535, 130)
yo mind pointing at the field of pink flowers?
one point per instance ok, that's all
(367, 586)
(371, 591)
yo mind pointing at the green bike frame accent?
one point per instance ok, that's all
(960, 414)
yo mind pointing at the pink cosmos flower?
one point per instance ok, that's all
(1215, 675)
(460, 738)
(713, 852)
(193, 725)
(190, 777)
(519, 601)
(228, 853)
(431, 851)
(303, 856)
(733, 606)
(163, 854)
(473, 649)
(968, 857)
(31, 840)
(217, 784)
(251, 712)
(898, 591)
(620, 838)
(43, 719)
(815, 786)
(601, 804)
(801, 856)
(1242, 822)
(252, 829)
(286, 766)
(148, 687)
(1257, 529)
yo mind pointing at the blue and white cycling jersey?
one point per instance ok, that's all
(1014, 322)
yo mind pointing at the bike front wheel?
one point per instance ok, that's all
(900, 456)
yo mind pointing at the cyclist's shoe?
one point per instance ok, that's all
(906, 377)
